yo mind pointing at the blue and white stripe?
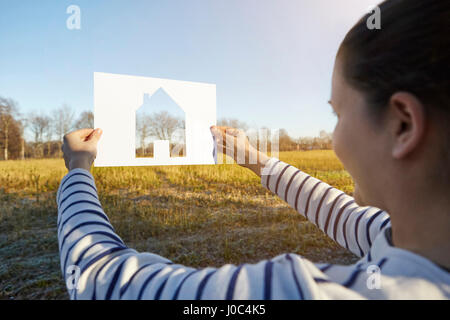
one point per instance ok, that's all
(111, 270)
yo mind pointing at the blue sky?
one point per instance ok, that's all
(270, 60)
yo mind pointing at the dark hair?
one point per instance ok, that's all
(411, 52)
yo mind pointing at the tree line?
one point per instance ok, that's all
(40, 134)
(285, 141)
(45, 130)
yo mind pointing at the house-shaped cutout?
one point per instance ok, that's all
(118, 97)
(160, 127)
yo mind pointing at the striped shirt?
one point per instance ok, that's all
(97, 264)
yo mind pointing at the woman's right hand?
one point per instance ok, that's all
(80, 148)
(239, 148)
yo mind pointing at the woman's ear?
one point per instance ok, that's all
(408, 120)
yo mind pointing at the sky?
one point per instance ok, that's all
(271, 60)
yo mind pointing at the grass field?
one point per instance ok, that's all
(195, 215)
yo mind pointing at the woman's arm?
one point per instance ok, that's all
(96, 263)
(333, 211)
(88, 244)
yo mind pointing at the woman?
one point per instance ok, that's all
(391, 95)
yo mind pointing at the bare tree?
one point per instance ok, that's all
(285, 141)
(48, 135)
(22, 124)
(233, 123)
(325, 140)
(39, 125)
(8, 109)
(163, 125)
(143, 130)
(85, 120)
(62, 122)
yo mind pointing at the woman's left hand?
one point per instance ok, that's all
(80, 148)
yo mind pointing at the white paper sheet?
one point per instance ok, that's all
(117, 98)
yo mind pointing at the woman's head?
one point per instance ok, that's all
(391, 92)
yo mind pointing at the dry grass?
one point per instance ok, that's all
(195, 215)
